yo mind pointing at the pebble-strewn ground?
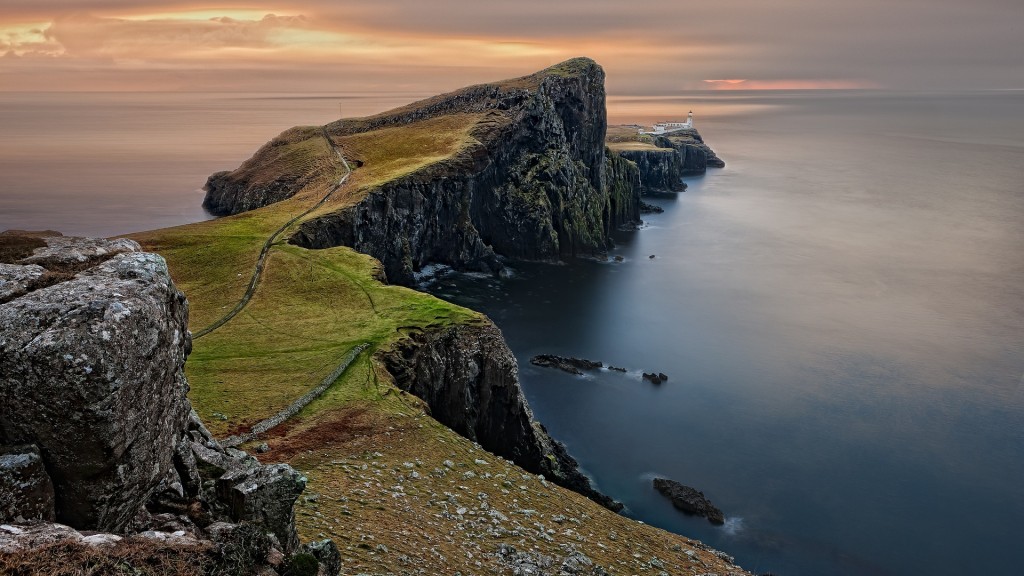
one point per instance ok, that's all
(402, 495)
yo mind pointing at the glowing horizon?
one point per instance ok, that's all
(314, 45)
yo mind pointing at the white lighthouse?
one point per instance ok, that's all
(666, 127)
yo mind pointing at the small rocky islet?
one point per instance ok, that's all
(118, 458)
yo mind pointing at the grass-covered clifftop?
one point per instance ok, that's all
(397, 490)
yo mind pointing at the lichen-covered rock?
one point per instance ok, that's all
(17, 280)
(91, 372)
(26, 493)
(210, 484)
(326, 553)
(266, 497)
(14, 538)
(470, 380)
(70, 253)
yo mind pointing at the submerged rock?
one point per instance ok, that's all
(689, 500)
(565, 364)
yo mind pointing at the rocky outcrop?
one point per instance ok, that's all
(469, 378)
(689, 500)
(696, 156)
(91, 372)
(276, 172)
(661, 170)
(26, 492)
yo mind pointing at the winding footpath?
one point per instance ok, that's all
(303, 401)
(262, 260)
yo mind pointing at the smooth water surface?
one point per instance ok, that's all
(840, 312)
(98, 163)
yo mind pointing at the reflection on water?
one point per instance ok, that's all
(840, 313)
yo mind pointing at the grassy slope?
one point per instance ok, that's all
(310, 309)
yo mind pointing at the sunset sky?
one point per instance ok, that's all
(648, 47)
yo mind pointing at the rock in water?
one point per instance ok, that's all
(565, 364)
(689, 500)
(91, 373)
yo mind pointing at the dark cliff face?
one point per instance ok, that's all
(622, 178)
(660, 170)
(469, 378)
(695, 155)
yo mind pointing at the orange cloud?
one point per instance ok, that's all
(743, 84)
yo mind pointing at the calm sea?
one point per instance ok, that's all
(840, 311)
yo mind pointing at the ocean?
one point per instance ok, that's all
(840, 310)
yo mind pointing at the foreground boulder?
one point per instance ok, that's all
(689, 500)
(91, 373)
(96, 431)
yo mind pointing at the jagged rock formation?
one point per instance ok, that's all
(566, 364)
(91, 372)
(536, 184)
(663, 160)
(624, 187)
(469, 378)
(695, 155)
(661, 170)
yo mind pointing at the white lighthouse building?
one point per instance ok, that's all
(667, 127)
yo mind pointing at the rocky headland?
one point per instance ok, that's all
(533, 181)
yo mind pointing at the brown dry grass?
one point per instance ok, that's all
(14, 247)
(134, 556)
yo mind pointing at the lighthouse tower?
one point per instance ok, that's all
(689, 119)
